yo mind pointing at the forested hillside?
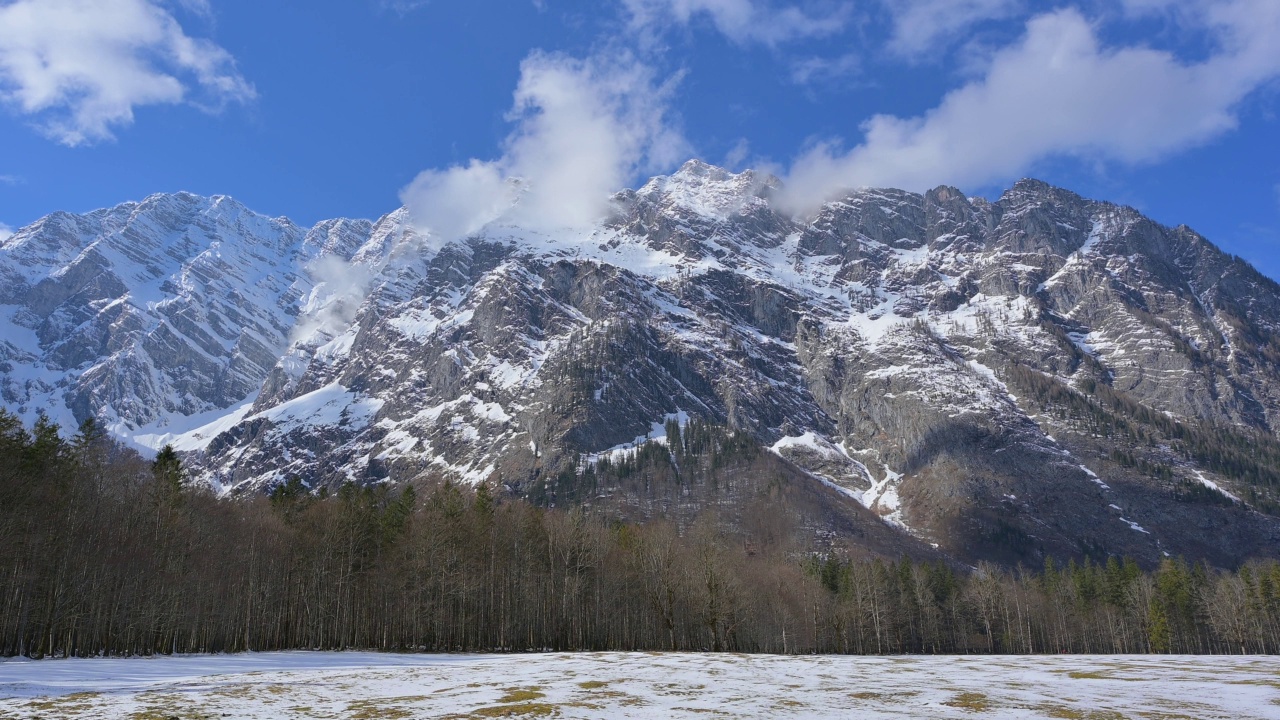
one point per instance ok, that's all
(103, 552)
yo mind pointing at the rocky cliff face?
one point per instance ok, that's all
(1042, 374)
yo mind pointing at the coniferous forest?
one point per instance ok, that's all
(103, 552)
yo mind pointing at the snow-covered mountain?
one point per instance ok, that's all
(1040, 374)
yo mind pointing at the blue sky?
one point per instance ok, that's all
(352, 107)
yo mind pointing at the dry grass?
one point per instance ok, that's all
(1069, 713)
(374, 710)
(527, 709)
(58, 706)
(521, 695)
(975, 701)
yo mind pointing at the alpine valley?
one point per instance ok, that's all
(933, 375)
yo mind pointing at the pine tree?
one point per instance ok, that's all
(167, 471)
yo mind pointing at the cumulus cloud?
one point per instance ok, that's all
(583, 130)
(81, 67)
(924, 26)
(1058, 91)
(742, 21)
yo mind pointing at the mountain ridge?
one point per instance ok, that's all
(1041, 370)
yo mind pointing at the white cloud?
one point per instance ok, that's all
(339, 288)
(924, 26)
(1057, 92)
(584, 129)
(742, 21)
(5, 232)
(737, 154)
(819, 69)
(81, 67)
(403, 7)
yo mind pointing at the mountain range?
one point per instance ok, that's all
(931, 374)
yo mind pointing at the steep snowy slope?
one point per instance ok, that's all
(1042, 374)
(150, 314)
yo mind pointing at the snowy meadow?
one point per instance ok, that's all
(640, 685)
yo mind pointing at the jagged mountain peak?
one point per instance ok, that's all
(1039, 368)
(708, 190)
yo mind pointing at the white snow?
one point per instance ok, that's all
(1092, 475)
(657, 434)
(1095, 234)
(1134, 526)
(642, 685)
(883, 499)
(809, 440)
(187, 433)
(329, 406)
(1213, 485)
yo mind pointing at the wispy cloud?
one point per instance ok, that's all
(12, 180)
(5, 232)
(742, 21)
(403, 7)
(583, 129)
(737, 154)
(816, 70)
(81, 67)
(924, 28)
(1058, 91)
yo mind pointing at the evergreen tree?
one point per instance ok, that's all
(167, 472)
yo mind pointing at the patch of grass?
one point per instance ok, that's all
(1070, 713)
(521, 695)
(168, 713)
(679, 689)
(378, 708)
(592, 684)
(975, 701)
(1103, 674)
(617, 698)
(527, 709)
(1263, 683)
(168, 706)
(235, 691)
(73, 703)
(883, 697)
(375, 710)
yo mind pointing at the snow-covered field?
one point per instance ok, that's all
(640, 685)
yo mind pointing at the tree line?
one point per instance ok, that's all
(103, 552)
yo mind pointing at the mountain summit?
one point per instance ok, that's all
(1039, 375)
